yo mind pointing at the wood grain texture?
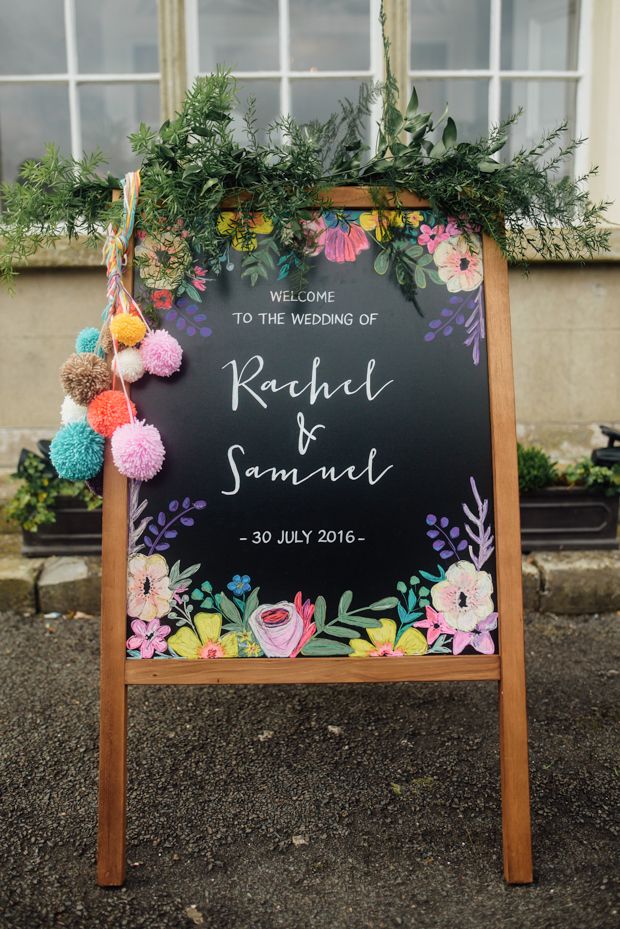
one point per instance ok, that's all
(312, 670)
(112, 687)
(342, 197)
(517, 838)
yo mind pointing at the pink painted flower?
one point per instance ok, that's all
(278, 627)
(340, 238)
(148, 637)
(479, 638)
(198, 280)
(431, 236)
(464, 596)
(452, 227)
(306, 611)
(436, 624)
(148, 589)
(459, 264)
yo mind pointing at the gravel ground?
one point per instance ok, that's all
(310, 807)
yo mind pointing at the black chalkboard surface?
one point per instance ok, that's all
(327, 489)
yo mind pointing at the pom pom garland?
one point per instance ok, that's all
(76, 452)
(106, 341)
(161, 353)
(71, 412)
(87, 341)
(128, 365)
(108, 411)
(84, 376)
(138, 451)
(127, 329)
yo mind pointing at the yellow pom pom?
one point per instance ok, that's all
(127, 329)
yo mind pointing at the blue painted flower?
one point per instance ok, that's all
(240, 584)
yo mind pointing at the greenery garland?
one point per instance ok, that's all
(194, 162)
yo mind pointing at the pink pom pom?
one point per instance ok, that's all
(161, 353)
(138, 451)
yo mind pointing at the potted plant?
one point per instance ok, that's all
(574, 508)
(57, 517)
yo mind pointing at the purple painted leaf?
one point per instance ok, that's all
(454, 532)
(191, 309)
(205, 331)
(431, 520)
(147, 540)
(181, 323)
(471, 305)
(170, 534)
(438, 545)
(200, 504)
(171, 315)
(187, 521)
(448, 330)
(191, 330)
(161, 519)
(162, 547)
(447, 553)
(433, 533)
(462, 545)
(173, 506)
(429, 336)
(443, 522)
(460, 319)
(186, 502)
(200, 318)
(454, 299)
(446, 313)
(434, 324)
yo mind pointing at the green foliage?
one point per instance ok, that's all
(194, 162)
(33, 502)
(536, 469)
(584, 473)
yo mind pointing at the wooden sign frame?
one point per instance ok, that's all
(508, 667)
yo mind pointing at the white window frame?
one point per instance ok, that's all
(581, 76)
(284, 74)
(72, 78)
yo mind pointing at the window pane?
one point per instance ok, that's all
(448, 35)
(329, 35)
(540, 35)
(110, 112)
(545, 105)
(32, 37)
(30, 116)
(117, 36)
(238, 34)
(317, 98)
(468, 100)
(267, 95)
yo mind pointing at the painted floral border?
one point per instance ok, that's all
(174, 612)
(418, 246)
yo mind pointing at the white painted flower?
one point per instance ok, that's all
(148, 587)
(464, 596)
(459, 264)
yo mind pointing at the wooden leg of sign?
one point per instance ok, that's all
(512, 711)
(113, 690)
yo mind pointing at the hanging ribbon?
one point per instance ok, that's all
(115, 250)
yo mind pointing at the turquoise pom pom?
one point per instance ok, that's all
(77, 452)
(87, 341)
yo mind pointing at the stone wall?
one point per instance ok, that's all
(566, 326)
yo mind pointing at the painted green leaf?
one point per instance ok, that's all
(345, 602)
(229, 610)
(424, 591)
(402, 587)
(250, 604)
(388, 603)
(341, 631)
(382, 262)
(320, 610)
(323, 648)
(413, 580)
(364, 622)
(420, 279)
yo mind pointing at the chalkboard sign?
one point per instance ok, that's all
(339, 486)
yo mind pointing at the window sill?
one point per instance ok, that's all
(76, 254)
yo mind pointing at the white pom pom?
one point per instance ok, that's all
(129, 365)
(71, 412)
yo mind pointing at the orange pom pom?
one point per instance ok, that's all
(108, 411)
(127, 329)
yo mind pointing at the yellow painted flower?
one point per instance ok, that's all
(248, 645)
(229, 224)
(209, 643)
(414, 218)
(383, 642)
(382, 222)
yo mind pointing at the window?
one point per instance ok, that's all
(490, 57)
(79, 73)
(294, 56)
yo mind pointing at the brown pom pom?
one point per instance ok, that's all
(105, 339)
(84, 376)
